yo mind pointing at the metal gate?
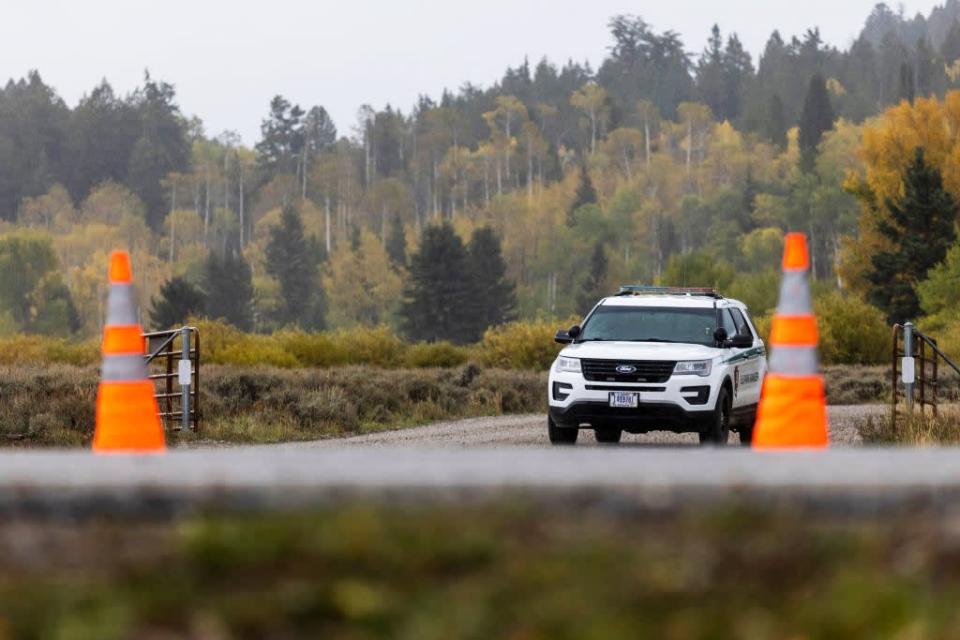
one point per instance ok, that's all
(173, 358)
(916, 364)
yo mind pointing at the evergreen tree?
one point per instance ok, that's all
(586, 194)
(593, 287)
(292, 260)
(921, 231)
(775, 124)
(907, 91)
(397, 242)
(161, 149)
(178, 300)
(950, 49)
(817, 119)
(495, 294)
(439, 298)
(228, 288)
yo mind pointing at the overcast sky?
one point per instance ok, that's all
(228, 58)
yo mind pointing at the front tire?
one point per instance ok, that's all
(561, 437)
(718, 432)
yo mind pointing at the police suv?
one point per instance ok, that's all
(658, 359)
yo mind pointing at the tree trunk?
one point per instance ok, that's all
(326, 201)
(593, 131)
(529, 172)
(173, 219)
(646, 136)
(243, 224)
(206, 210)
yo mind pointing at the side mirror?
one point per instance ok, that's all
(720, 336)
(741, 342)
(568, 336)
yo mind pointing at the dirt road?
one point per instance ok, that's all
(531, 431)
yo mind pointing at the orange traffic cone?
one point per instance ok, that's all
(793, 407)
(128, 419)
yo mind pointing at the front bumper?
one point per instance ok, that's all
(684, 404)
(649, 417)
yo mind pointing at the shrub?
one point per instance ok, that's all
(437, 354)
(39, 350)
(313, 349)
(520, 345)
(378, 347)
(851, 331)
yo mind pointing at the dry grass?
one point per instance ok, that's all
(848, 384)
(916, 430)
(54, 406)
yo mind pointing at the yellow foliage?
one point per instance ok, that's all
(521, 345)
(38, 350)
(362, 286)
(889, 144)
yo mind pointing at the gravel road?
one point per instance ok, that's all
(531, 431)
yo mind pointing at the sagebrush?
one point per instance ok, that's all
(54, 406)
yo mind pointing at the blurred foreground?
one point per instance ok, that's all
(506, 568)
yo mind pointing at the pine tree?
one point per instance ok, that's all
(495, 294)
(228, 288)
(775, 125)
(586, 194)
(906, 91)
(292, 260)
(438, 300)
(950, 49)
(178, 300)
(397, 242)
(921, 231)
(593, 287)
(817, 119)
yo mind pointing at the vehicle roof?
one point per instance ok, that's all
(680, 301)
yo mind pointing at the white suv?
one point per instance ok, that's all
(658, 359)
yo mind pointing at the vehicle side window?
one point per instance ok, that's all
(728, 323)
(743, 328)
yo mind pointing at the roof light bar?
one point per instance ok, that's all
(643, 290)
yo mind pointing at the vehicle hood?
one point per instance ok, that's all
(640, 351)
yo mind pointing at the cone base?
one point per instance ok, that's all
(792, 414)
(127, 419)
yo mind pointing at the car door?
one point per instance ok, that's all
(747, 363)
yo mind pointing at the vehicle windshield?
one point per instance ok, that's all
(651, 324)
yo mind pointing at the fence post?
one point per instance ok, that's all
(908, 353)
(185, 376)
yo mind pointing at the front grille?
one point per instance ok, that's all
(655, 371)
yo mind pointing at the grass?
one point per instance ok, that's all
(918, 430)
(493, 570)
(54, 406)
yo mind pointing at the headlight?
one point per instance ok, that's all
(701, 368)
(567, 365)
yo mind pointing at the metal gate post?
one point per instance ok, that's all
(186, 375)
(908, 353)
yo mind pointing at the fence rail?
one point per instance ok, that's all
(910, 344)
(173, 358)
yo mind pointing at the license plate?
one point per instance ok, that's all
(624, 400)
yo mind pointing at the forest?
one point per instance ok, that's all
(525, 200)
